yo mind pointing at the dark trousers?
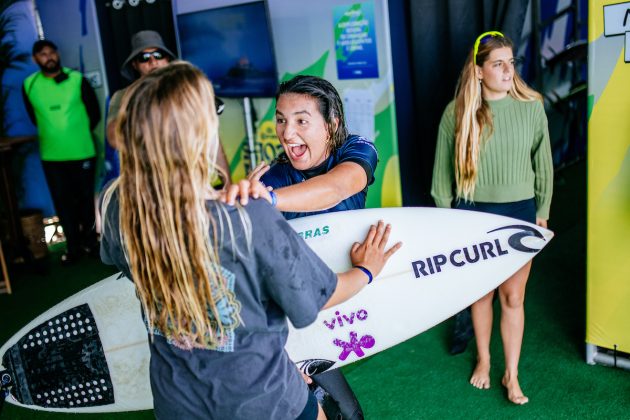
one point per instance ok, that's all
(340, 403)
(71, 185)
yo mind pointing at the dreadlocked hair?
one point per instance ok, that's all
(167, 135)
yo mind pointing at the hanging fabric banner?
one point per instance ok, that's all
(608, 228)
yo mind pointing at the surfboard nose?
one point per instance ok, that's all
(547, 234)
(537, 243)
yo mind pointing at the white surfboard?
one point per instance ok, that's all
(449, 259)
(90, 352)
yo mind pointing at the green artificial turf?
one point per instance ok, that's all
(418, 379)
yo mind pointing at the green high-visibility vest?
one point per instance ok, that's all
(62, 120)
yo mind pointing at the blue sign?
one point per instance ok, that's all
(355, 41)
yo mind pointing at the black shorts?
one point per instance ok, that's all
(310, 409)
(522, 210)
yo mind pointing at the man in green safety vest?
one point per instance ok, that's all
(62, 104)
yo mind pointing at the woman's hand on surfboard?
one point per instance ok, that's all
(541, 222)
(371, 253)
(244, 189)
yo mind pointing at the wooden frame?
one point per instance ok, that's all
(5, 284)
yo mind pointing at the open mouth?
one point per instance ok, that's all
(296, 151)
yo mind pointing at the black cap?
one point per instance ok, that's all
(40, 44)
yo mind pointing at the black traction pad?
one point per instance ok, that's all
(61, 363)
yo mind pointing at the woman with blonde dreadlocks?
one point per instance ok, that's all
(493, 155)
(216, 283)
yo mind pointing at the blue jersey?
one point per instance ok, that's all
(355, 149)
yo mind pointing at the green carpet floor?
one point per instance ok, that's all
(418, 379)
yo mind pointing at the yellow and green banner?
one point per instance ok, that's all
(608, 227)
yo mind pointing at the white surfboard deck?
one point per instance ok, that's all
(405, 301)
(449, 259)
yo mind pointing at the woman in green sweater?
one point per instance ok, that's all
(493, 155)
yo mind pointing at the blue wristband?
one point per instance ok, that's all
(366, 271)
(274, 198)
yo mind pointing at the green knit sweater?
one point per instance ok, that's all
(514, 163)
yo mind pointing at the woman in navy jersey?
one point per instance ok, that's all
(323, 169)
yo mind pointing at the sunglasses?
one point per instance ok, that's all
(145, 57)
(483, 38)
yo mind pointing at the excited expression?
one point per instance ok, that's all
(302, 130)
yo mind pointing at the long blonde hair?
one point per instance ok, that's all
(473, 116)
(167, 133)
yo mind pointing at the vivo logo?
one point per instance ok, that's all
(354, 345)
(340, 320)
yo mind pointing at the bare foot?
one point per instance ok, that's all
(481, 375)
(514, 392)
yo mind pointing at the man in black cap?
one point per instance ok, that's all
(62, 104)
(148, 53)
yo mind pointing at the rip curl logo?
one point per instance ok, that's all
(473, 254)
(515, 241)
(355, 345)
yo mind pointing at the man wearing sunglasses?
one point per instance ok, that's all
(148, 52)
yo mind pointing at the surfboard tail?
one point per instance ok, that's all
(59, 364)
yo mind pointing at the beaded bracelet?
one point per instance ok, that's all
(274, 198)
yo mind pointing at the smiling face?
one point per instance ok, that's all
(48, 60)
(497, 73)
(302, 130)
